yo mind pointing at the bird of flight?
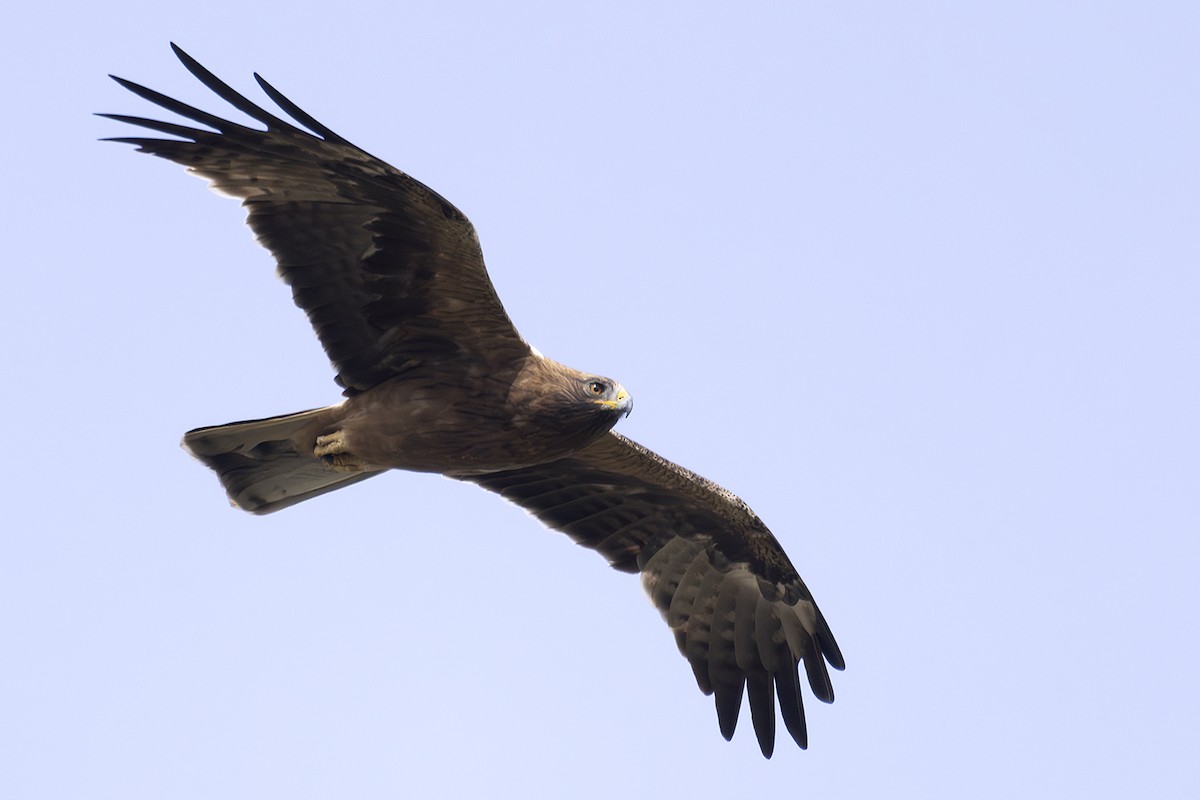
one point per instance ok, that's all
(437, 379)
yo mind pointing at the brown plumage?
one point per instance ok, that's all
(437, 379)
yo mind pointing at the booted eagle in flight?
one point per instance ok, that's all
(437, 379)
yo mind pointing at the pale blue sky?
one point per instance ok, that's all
(918, 281)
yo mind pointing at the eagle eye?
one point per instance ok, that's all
(597, 387)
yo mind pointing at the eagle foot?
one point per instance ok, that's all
(332, 451)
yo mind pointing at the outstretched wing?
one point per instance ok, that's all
(389, 272)
(741, 615)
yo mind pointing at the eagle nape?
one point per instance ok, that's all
(436, 378)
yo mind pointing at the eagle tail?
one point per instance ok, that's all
(269, 464)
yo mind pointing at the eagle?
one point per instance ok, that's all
(436, 379)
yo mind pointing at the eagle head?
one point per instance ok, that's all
(565, 403)
(606, 394)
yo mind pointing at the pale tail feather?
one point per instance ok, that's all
(268, 464)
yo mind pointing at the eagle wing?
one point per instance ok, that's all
(390, 274)
(740, 613)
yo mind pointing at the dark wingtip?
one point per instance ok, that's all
(727, 722)
(193, 66)
(762, 709)
(818, 678)
(297, 113)
(830, 649)
(128, 84)
(228, 93)
(791, 706)
(181, 54)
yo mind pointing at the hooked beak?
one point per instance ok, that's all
(623, 404)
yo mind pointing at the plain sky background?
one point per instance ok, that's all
(920, 281)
